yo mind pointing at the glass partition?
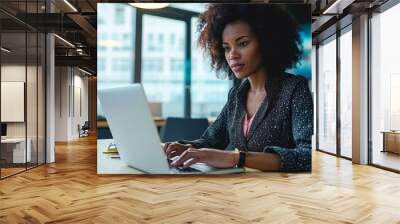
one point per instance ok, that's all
(385, 89)
(41, 97)
(346, 94)
(31, 98)
(14, 151)
(327, 95)
(22, 92)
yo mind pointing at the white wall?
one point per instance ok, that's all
(12, 73)
(61, 103)
(70, 84)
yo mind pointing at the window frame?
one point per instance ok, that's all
(332, 33)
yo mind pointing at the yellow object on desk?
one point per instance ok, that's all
(111, 149)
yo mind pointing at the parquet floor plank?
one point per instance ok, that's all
(70, 191)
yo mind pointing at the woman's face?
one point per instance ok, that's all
(242, 49)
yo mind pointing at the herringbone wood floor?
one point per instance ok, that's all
(70, 191)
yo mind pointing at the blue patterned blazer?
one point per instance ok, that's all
(283, 124)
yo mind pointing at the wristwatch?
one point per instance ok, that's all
(242, 159)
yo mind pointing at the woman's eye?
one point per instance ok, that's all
(244, 43)
(226, 49)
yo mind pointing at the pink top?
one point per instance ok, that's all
(247, 124)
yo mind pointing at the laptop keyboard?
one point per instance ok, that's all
(181, 169)
(187, 169)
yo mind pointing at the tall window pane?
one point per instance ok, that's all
(209, 94)
(41, 99)
(327, 96)
(385, 84)
(115, 45)
(163, 63)
(32, 101)
(346, 94)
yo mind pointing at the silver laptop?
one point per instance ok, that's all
(135, 134)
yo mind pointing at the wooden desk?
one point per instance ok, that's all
(13, 150)
(159, 121)
(108, 165)
(391, 141)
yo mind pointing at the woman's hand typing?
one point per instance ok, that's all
(173, 149)
(212, 157)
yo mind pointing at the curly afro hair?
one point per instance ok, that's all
(276, 31)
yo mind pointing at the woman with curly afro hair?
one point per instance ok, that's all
(267, 122)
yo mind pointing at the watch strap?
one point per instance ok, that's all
(242, 159)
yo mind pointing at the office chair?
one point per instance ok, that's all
(183, 128)
(104, 132)
(84, 130)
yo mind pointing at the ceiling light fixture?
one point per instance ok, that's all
(84, 71)
(70, 5)
(5, 50)
(337, 7)
(65, 41)
(149, 5)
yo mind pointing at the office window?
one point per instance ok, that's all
(346, 94)
(121, 65)
(115, 36)
(101, 64)
(209, 94)
(303, 67)
(172, 40)
(100, 21)
(22, 97)
(119, 15)
(176, 65)
(327, 96)
(103, 36)
(153, 66)
(126, 36)
(160, 41)
(115, 44)
(181, 43)
(385, 88)
(151, 46)
(161, 83)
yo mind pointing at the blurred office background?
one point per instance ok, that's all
(173, 70)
